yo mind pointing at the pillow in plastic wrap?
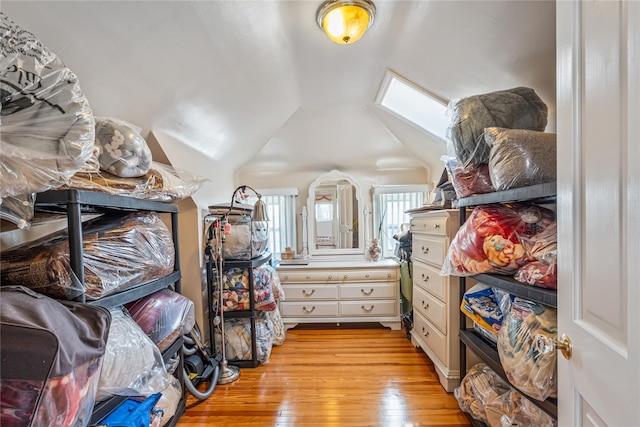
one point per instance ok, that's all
(490, 239)
(133, 365)
(163, 183)
(543, 248)
(163, 316)
(519, 158)
(526, 349)
(48, 128)
(486, 397)
(237, 344)
(118, 252)
(470, 180)
(517, 108)
(123, 151)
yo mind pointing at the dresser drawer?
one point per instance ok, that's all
(431, 308)
(368, 308)
(307, 276)
(429, 279)
(367, 291)
(430, 249)
(309, 292)
(431, 225)
(367, 275)
(430, 336)
(308, 309)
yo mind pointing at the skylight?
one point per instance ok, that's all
(414, 104)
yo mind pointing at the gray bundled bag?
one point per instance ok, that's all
(517, 108)
(519, 158)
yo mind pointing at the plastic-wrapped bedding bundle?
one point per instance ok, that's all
(489, 399)
(163, 316)
(162, 183)
(490, 240)
(526, 349)
(123, 151)
(48, 128)
(517, 108)
(519, 158)
(133, 365)
(470, 180)
(118, 252)
(52, 352)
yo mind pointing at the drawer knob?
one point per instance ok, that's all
(437, 226)
(330, 276)
(346, 275)
(369, 292)
(308, 294)
(308, 277)
(366, 275)
(425, 332)
(425, 250)
(306, 310)
(388, 274)
(425, 306)
(367, 309)
(425, 278)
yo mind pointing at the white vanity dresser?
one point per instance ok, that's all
(341, 291)
(338, 283)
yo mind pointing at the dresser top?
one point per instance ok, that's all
(334, 265)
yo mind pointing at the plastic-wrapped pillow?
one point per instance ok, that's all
(490, 240)
(48, 128)
(526, 349)
(470, 180)
(517, 108)
(519, 158)
(133, 365)
(123, 151)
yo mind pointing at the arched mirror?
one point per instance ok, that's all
(335, 215)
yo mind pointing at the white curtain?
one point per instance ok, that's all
(389, 206)
(281, 211)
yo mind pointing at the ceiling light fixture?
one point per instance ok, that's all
(345, 21)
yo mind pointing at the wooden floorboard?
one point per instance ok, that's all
(347, 376)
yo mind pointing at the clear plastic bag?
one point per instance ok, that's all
(48, 128)
(490, 239)
(519, 158)
(123, 151)
(517, 108)
(526, 349)
(133, 365)
(470, 180)
(118, 252)
(163, 183)
(163, 316)
(478, 388)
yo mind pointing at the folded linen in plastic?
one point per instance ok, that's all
(517, 108)
(123, 151)
(51, 355)
(118, 252)
(162, 183)
(163, 316)
(526, 349)
(519, 158)
(48, 128)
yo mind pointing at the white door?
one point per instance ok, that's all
(598, 89)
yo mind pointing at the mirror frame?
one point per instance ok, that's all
(334, 177)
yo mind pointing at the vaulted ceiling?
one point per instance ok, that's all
(240, 88)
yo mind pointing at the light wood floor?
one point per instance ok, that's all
(333, 376)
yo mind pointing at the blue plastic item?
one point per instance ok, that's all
(133, 413)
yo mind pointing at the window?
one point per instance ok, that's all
(389, 204)
(281, 211)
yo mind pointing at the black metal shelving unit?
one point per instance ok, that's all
(240, 314)
(484, 349)
(75, 203)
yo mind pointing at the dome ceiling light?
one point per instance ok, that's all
(345, 21)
